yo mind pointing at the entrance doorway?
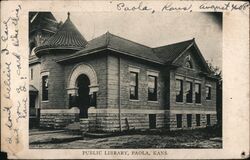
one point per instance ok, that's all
(83, 83)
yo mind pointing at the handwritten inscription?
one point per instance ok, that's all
(12, 66)
(171, 7)
(7, 82)
(187, 7)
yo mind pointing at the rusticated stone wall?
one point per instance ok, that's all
(58, 118)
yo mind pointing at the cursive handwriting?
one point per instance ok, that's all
(139, 7)
(239, 7)
(5, 50)
(21, 88)
(14, 38)
(18, 61)
(9, 123)
(222, 7)
(16, 132)
(7, 82)
(170, 7)
(23, 113)
(5, 33)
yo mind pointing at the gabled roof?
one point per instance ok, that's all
(67, 37)
(170, 52)
(118, 44)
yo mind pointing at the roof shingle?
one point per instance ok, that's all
(170, 52)
(67, 37)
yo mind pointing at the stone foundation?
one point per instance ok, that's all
(108, 120)
(58, 118)
(203, 120)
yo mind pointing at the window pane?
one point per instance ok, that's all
(152, 88)
(179, 120)
(208, 93)
(197, 93)
(198, 119)
(189, 120)
(133, 85)
(179, 90)
(45, 86)
(189, 92)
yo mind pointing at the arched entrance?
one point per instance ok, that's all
(82, 88)
(83, 83)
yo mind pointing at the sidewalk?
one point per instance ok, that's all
(54, 136)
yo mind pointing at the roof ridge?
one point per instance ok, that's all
(191, 40)
(111, 34)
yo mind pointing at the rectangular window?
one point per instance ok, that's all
(198, 120)
(152, 121)
(208, 93)
(45, 87)
(133, 85)
(197, 93)
(179, 120)
(189, 92)
(152, 88)
(208, 120)
(31, 74)
(179, 90)
(189, 120)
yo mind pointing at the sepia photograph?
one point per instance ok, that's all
(124, 79)
(128, 81)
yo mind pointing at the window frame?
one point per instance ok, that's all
(198, 123)
(155, 94)
(182, 94)
(189, 120)
(179, 121)
(210, 92)
(136, 86)
(31, 73)
(208, 117)
(199, 84)
(189, 82)
(45, 91)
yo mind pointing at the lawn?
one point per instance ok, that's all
(198, 138)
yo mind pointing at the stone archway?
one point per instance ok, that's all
(72, 89)
(76, 72)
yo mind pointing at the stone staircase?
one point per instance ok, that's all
(78, 127)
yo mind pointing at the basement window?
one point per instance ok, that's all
(179, 120)
(208, 120)
(198, 119)
(189, 120)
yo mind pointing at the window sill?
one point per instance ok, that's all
(189, 103)
(198, 104)
(45, 101)
(134, 100)
(179, 102)
(150, 101)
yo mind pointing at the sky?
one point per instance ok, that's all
(156, 29)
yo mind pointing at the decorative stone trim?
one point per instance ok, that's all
(136, 111)
(83, 69)
(153, 73)
(191, 112)
(73, 110)
(133, 69)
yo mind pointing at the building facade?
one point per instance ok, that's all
(114, 84)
